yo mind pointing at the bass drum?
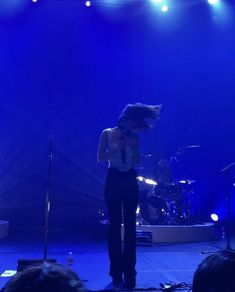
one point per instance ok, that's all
(153, 210)
(168, 192)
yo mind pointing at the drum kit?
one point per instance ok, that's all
(166, 201)
(164, 204)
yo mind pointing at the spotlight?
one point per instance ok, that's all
(34, 1)
(157, 1)
(215, 217)
(165, 8)
(138, 210)
(88, 3)
(213, 2)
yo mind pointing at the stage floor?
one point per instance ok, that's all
(155, 264)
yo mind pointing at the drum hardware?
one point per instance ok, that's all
(186, 181)
(139, 219)
(167, 204)
(182, 150)
(103, 216)
(153, 211)
(171, 191)
(148, 181)
(168, 199)
(156, 211)
(187, 191)
(146, 186)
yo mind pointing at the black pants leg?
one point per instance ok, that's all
(114, 237)
(129, 252)
(121, 193)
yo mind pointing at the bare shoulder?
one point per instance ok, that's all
(105, 132)
(113, 132)
(104, 136)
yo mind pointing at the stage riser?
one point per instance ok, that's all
(179, 233)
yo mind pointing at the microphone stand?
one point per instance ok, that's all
(24, 263)
(48, 201)
(226, 170)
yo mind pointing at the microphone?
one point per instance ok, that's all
(123, 152)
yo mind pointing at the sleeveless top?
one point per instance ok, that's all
(117, 160)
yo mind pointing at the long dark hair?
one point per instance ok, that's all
(141, 114)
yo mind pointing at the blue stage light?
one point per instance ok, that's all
(161, 5)
(214, 217)
(213, 2)
(164, 8)
(157, 2)
(88, 3)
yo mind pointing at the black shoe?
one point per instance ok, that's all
(117, 283)
(129, 284)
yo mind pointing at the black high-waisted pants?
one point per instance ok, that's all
(121, 194)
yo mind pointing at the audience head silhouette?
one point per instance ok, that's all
(45, 278)
(216, 273)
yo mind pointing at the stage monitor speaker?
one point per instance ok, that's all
(25, 263)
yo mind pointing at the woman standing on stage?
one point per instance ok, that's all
(120, 147)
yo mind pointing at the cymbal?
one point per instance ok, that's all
(186, 181)
(148, 181)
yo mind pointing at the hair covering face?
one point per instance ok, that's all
(140, 114)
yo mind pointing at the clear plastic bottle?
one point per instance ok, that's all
(223, 232)
(70, 259)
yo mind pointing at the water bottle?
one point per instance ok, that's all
(223, 233)
(70, 259)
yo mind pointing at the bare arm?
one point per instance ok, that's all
(102, 147)
(103, 154)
